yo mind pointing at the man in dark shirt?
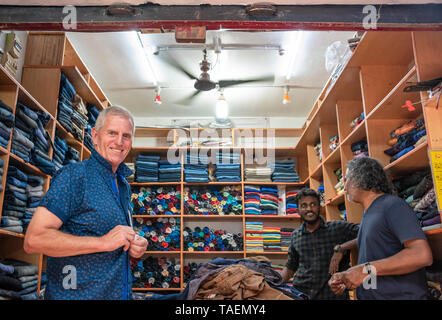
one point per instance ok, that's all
(317, 249)
(393, 249)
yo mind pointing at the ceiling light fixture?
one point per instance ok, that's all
(286, 98)
(222, 108)
(296, 46)
(157, 99)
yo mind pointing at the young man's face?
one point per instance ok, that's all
(114, 140)
(309, 208)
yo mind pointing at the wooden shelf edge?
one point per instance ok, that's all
(353, 132)
(27, 164)
(213, 216)
(397, 162)
(13, 234)
(158, 216)
(268, 252)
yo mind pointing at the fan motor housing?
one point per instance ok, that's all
(204, 85)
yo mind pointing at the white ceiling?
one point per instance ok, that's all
(118, 63)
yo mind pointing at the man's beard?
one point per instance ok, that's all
(312, 221)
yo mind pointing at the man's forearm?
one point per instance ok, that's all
(286, 274)
(352, 244)
(55, 243)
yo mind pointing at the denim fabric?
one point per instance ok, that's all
(14, 188)
(30, 122)
(9, 194)
(20, 148)
(29, 112)
(10, 222)
(21, 268)
(40, 157)
(10, 207)
(3, 142)
(5, 133)
(30, 188)
(35, 194)
(30, 296)
(17, 229)
(5, 127)
(16, 182)
(14, 201)
(23, 156)
(17, 173)
(4, 106)
(17, 135)
(35, 181)
(6, 269)
(7, 118)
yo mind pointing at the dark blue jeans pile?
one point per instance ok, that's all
(6, 123)
(72, 156)
(196, 168)
(88, 137)
(146, 168)
(18, 280)
(228, 168)
(169, 172)
(60, 149)
(79, 117)
(92, 113)
(285, 171)
(65, 110)
(34, 192)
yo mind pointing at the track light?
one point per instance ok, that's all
(157, 99)
(286, 98)
(222, 108)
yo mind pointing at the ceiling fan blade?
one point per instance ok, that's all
(133, 88)
(187, 100)
(229, 83)
(172, 62)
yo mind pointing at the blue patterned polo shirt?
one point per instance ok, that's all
(83, 196)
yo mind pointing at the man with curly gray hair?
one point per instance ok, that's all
(393, 249)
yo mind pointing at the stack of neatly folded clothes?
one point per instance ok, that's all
(417, 190)
(334, 142)
(257, 174)
(318, 149)
(72, 156)
(254, 237)
(359, 149)
(286, 238)
(65, 110)
(269, 203)
(92, 115)
(228, 168)
(22, 144)
(34, 192)
(18, 280)
(79, 117)
(6, 123)
(60, 149)
(284, 171)
(291, 206)
(271, 238)
(169, 172)
(406, 138)
(355, 122)
(42, 143)
(131, 166)
(15, 201)
(146, 168)
(252, 199)
(196, 168)
(339, 187)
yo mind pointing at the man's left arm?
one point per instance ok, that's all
(137, 247)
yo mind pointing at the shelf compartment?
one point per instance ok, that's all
(213, 252)
(347, 111)
(154, 137)
(290, 184)
(25, 98)
(214, 183)
(161, 252)
(328, 131)
(414, 160)
(68, 137)
(26, 166)
(334, 157)
(330, 179)
(333, 213)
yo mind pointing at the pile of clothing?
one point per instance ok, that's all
(60, 149)
(79, 117)
(286, 238)
(284, 171)
(227, 167)
(254, 237)
(261, 200)
(34, 192)
(406, 138)
(339, 187)
(334, 143)
(213, 200)
(196, 168)
(257, 174)
(434, 280)
(169, 172)
(155, 272)
(188, 271)
(417, 190)
(359, 148)
(21, 137)
(18, 280)
(162, 234)
(65, 110)
(252, 199)
(6, 123)
(356, 121)
(156, 200)
(271, 238)
(290, 201)
(206, 239)
(146, 168)
(318, 149)
(92, 115)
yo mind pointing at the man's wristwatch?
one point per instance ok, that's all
(338, 248)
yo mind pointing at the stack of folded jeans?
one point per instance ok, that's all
(60, 149)
(21, 143)
(18, 280)
(359, 149)
(34, 192)
(169, 172)
(15, 202)
(196, 168)
(228, 168)
(6, 123)
(406, 138)
(79, 117)
(285, 171)
(146, 168)
(258, 174)
(92, 113)
(131, 166)
(88, 143)
(65, 110)
(72, 156)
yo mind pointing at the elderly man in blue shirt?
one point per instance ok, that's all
(84, 224)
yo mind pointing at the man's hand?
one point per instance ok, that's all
(138, 247)
(354, 277)
(120, 236)
(336, 284)
(334, 262)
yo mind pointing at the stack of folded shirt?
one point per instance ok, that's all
(154, 272)
(196, 168)
(269, 203)
(360, 149)
(286, 238)
(79, 117)
(169, 172)
(291, 206)
(146, 168)
(42, 142)
(228, 167)
(258, 174)
(339, 187)
(318, 149)
(254, 237)
(343, 210)
(34, 192)
(211, 201)
(18, 280)
(60, 149)
(6, 123)
(72, 156)
(357, 120)
(15, 202)
(334, 142)
(252, 199)
(284, 171)
(406, 138)
(131, 166)
(65, 111)
(271, 238)
(156, 201)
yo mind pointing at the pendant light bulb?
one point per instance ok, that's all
(222, 108)
(286, 98)
(157, 99)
